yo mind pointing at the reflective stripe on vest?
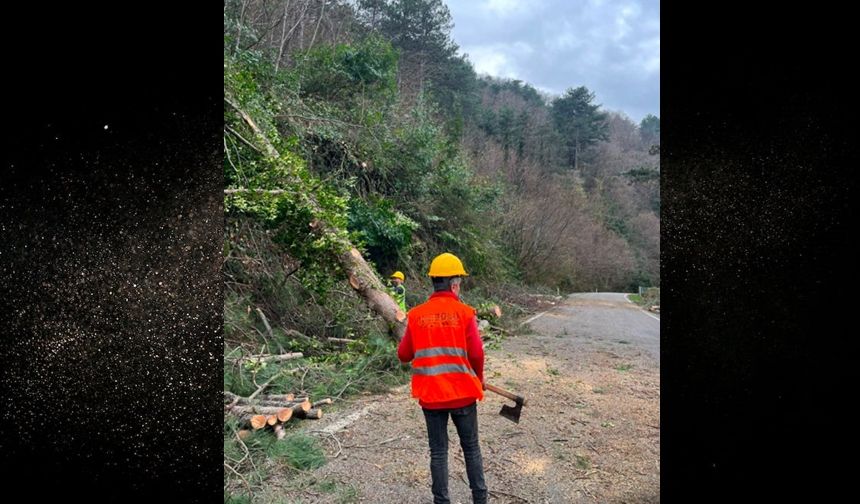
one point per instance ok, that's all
(442, 368)
(437, 351)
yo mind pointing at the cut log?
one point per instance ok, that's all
(263, 401)
(321, 402)
(271, 358)
(312, 414)
(244, 434)
(258, 421)
(490, 312)
(285, 414)
(270, 410)
(301, 407)
(268, 404)
(361, 276)
(278, 397)
(341, 340)
(271, 419)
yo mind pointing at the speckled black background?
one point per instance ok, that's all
(111, 222)
(759, 274)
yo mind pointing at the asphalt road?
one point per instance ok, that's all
(606, 317)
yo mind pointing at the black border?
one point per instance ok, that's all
(151, 73)
(758, 188)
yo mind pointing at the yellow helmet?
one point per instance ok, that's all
(398, 274)
(446, 265)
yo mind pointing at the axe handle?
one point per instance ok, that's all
(505, 393)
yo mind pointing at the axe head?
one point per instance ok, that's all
(512, 413)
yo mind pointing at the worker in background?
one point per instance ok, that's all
(397, 289)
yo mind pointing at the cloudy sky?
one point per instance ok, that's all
(610, 46)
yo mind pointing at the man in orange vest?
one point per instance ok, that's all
(447, 355)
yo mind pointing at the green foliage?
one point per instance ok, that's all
(651, 297)
(419, 26)
(642, 174)
(340, 72)
(454, 91)
(382, 230)
(299, 451)
(507, 129)
(291, 214)
(404, 158)
(649, 129)
(579, 120)
(492, 340)
(582, 462)
(417, 146)
(457, 202)
(369, 366)
(524, 90)
(489, 121)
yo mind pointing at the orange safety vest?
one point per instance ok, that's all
(440, 369)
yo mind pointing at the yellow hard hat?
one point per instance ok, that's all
(398, 274)
(446, 265)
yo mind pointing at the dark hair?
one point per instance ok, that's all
(444, 283)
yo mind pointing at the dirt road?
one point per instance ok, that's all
(590, 432)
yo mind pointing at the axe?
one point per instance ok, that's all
(512, 413)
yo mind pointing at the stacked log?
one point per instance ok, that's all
(272, 410)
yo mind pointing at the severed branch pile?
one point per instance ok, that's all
(272, 410)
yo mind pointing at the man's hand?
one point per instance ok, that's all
(483, 384)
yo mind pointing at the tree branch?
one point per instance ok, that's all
(258, 191)
(249, 144)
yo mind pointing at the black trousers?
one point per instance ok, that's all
(466, 421)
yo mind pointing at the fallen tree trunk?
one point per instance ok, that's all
(361, 277)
